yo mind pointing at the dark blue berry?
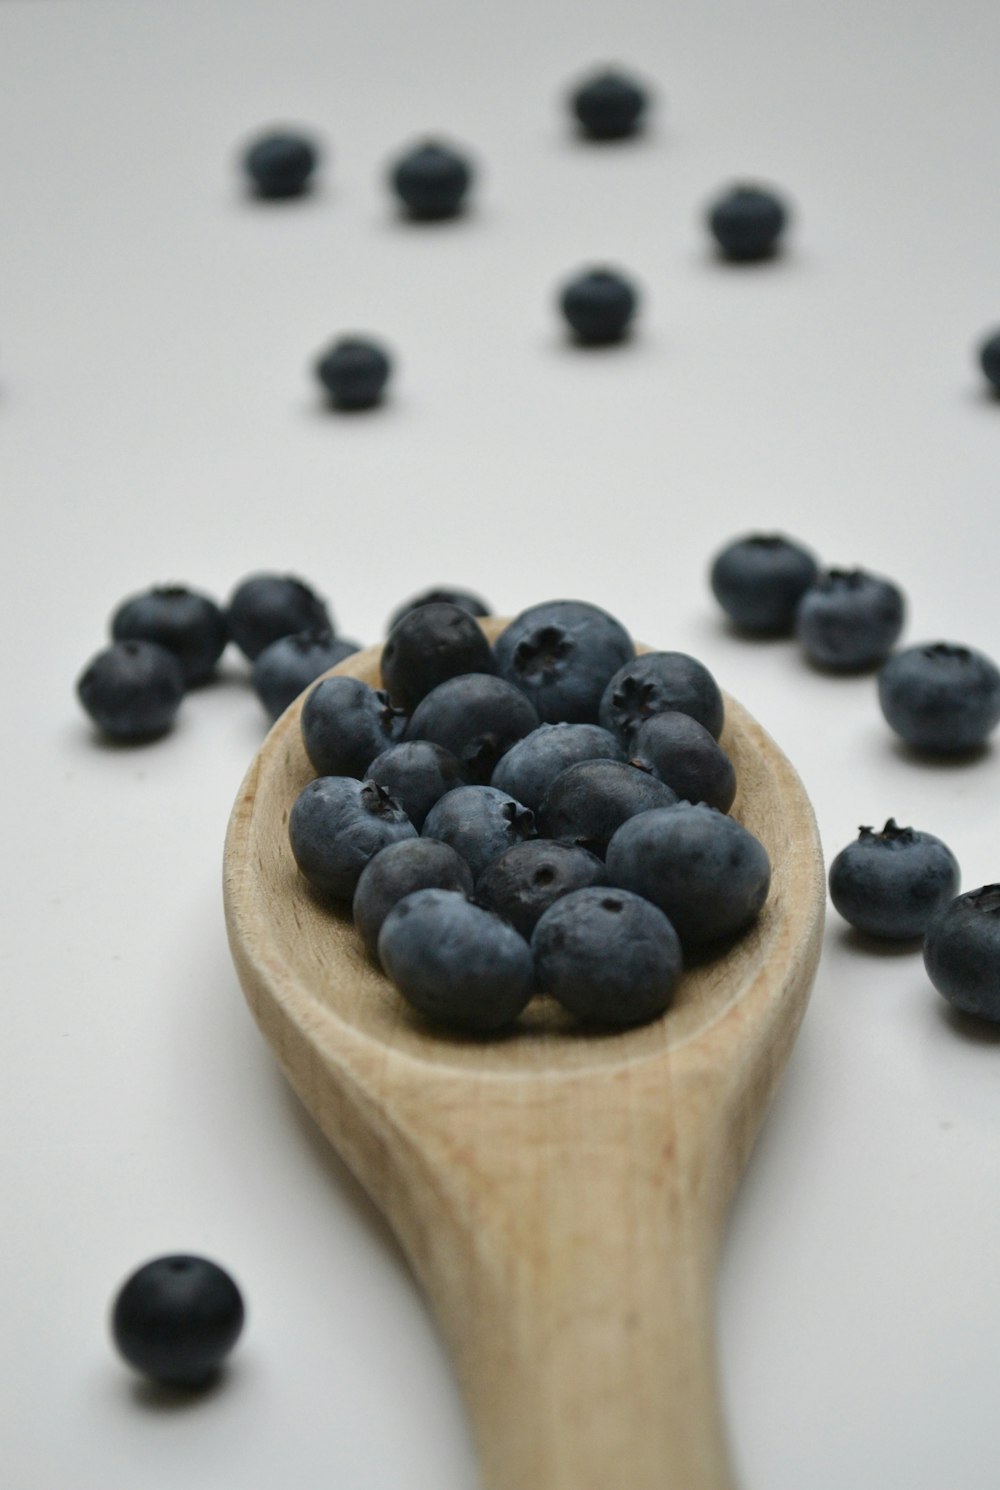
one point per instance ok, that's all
(474, 604)
(345, 725)
(417, 773)
(190, 625)
(280, 165)
(132, 690)
(655, 682)
(177, 1318)
(530, 767)
(759, 581)
(890, 884)
(480, 823)
(941, 697)
(428, 646)
(525, 880)
(458, 964)
(397, 871)
(609, 105)
(747, 223)
(849, 620)
(989, 359)
(707, 873)
(266, 606)
(290, 664)
(599, 306)
(962, 952)
(432, 181)
(588, 802)
(477, 717)
(354, 372)
(560, 655)
(681, 752)
(337, 825)
(608, 956)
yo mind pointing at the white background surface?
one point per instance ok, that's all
(158, 422)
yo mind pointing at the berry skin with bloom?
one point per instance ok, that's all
(890, 884)
(760, 579)
(962, 952)
(176, 1319)
(132, 690)
(458, 964)
(941, 697)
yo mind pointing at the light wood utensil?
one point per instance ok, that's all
(560, 1195)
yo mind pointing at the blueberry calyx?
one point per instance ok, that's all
(986, 900)
(378, 802)
(635, 699)
(389, 714)
(521, 819)
(891, 833)
(946, 652)
(537, 657)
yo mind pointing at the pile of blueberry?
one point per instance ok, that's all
(169, 639)
(433, 181)
(546, 815)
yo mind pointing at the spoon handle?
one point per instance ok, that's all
(569, 1250)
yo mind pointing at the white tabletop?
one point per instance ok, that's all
(158, 421)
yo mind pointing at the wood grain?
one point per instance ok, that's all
(560, 1196)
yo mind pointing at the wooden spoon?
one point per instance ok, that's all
(560, 1195)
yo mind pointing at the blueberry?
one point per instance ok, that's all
(561, 655)
(989, 358)
(608, 956)
(760, 579)
(345, 725)
(588, 802)
(417, 773)
(337, 825)
(432, 181)
(477, 717)
(132, 690)
(428, 646)
(280, 165)
(890, 884)
(707, 873)
(962, 952)
(188, 624)
(458, 964)
(609, 105)
(530, 767)
(747, 223)
(655, 682)
(354, 372)
(397, 871)
(525, 880)
(599, 306)
(290, 664)
(479, 822)
(681, 752)
(941, 697)
(177, 1318)
(849, 620)
(266, 606)
(474, 604)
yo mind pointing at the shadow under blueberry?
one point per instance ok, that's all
(160, 1396)
(971, 1027)
(937, 760)
(867, 945)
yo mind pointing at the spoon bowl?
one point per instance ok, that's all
(561, 1196)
